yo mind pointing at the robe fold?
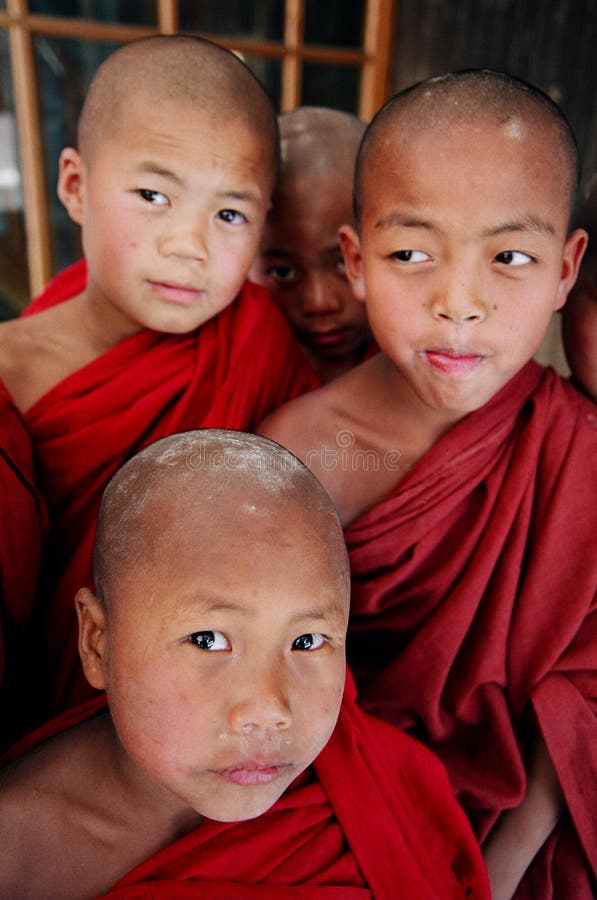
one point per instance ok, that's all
(374, 816)
(474, 619)
(227, 374)
(22, 528)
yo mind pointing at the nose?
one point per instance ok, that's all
(457, 300)
(185, 236)
(318, 295)
(260, 704)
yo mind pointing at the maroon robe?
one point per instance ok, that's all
(228, 373)
(373, 817)
(474, 620)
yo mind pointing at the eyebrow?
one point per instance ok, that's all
(530, 223)
(243, 196)
(277, 253)
(396, 219)
(220, 604)
(150, 168)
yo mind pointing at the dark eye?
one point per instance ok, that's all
(232, 216)
(209, 640)
(513, 258)
(154, 197)
(311, 641)
(281, 273)
(411, 256)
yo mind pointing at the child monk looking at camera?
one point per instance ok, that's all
(170, 182)
(300, 258)
(465, 474)
(231, 760)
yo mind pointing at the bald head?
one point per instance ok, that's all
(318, 141)
(174, 69)
(205, 485)
(462, 97)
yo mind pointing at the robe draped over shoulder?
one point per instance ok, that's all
(229, 373)
(374, 816)
(474, 621)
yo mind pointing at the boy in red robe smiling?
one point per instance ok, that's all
(170, 182)
(465, 473)
(217, 630)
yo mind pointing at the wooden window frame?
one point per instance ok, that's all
(373, 58)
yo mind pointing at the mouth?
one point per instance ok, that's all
(250, 773)
(454, 362)
(181, 294)
(330, 338)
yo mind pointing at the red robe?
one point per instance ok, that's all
(474, 619)
(22, 525)
(228, 374)
(374, 816)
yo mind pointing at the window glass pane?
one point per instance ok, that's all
(263, 19)
(64, 69)
(334, 86)
(269, 73)
(129, 12)
(14, 276)
(335, 23)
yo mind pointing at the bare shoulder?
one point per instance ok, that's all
(32, 817)
(331, 430)
(358, 435)
(41, 796)
(38, 351)
(315, 418)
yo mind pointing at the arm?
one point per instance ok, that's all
(521, 832)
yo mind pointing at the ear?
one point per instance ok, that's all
(574, 249)
(71, 183)
(353, 261)
(92, 637)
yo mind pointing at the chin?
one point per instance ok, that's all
(242, 810)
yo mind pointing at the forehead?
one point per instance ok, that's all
(246, 545)
(182, 130)
(507, 166)
(310, 207)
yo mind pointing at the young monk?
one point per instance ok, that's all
(579, 316)
(300, 257)
(170, 182)
(217, 630)
(464, 472)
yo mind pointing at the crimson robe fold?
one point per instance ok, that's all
(229, 373)
(22, 528)
(374, 816)
(474, 621)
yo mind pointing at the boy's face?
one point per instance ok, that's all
(172, 206)
(463, 255)
(224, 658)
(301, 262)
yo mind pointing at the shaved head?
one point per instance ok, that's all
(205, 485)
(174, 69)
(461, 97)
(319, 141)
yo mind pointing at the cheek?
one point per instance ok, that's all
(318, 701)
(153, 714)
